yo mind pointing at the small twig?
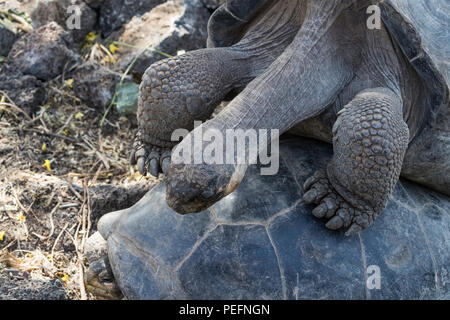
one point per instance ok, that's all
(74, 191)
(28, 123)
(113, 102)
(79, 244)
(16, 197)
(83, 146)
(94, 180)
(86, 216)
(73, 67)
(65, 124)
(69, 205)
(102, 158)
(49, 134)
(12, 105)
(106, 51)
(57, 239)
(82, 288)
(9, 111)
(110, 123)
(43, 124)
(8, 245)
(88, 143)
(65, 94)
(52, 225)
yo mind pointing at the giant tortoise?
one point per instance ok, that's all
(314, 67)
(379, 93)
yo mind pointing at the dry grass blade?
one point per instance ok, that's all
(50, 134)
(52, 225)
(18, 263)
(57, 239)
(12, 105)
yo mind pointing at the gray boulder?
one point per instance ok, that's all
(26, 91)
(94, 4)
(115, 13)
(95, 84)
(58, 11)
(17, 286)
(170, 27)
(7, 39)
(261, 242)
(44, 52)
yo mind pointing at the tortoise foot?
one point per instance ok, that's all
(333, 207)
(195, 187)
(150, 158)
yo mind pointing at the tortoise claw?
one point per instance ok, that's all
(141, 166)
(354, 229)
(165, 161)
(332, 206)
(335, 223)
(165, 165)
(133, 157)
(153, 167)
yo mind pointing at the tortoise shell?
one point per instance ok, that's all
(261, 242)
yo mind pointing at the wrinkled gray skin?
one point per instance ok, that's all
(315, 68)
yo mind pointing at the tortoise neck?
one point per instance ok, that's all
(269, 35)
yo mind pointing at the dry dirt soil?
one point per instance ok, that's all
(59, 172)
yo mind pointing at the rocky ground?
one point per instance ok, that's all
(67, 122)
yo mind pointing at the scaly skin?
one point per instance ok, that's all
(370, 135)
(176, 91)
(370, 141)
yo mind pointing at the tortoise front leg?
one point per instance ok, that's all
(176, 91)
(301, 83)
(370, 141)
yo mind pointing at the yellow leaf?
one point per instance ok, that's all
(79, 115)
(44, 147)
(69, 83)
(109, 59)
(113, 48)
(47, 164)
(22, 218)
(65, 132)
(2, 234)
(91, 36)
(65, 278)
(2, 100)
